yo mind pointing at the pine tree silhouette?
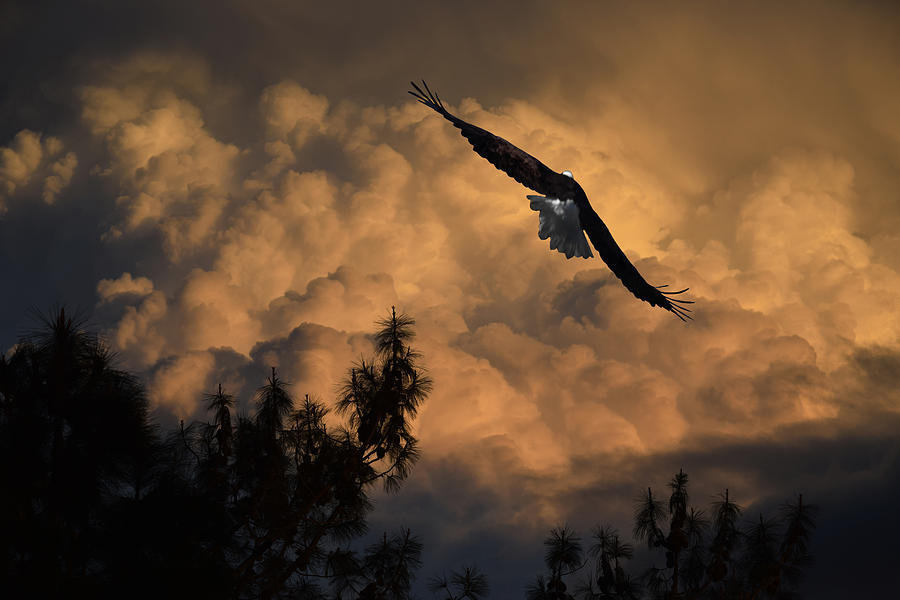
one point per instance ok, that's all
(75, 441)
(468, 584)
(703, 560)
(96, 503)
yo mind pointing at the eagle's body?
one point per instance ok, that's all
(559, 221)
(564, 210)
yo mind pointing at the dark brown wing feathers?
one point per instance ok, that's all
(619, 264)
(535, 175)
(519, 165)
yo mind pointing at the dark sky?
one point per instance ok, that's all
(226, 186)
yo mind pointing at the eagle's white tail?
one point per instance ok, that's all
(560, 223)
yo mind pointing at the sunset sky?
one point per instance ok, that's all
(228, 186)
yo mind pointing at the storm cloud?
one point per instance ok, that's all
(234, 186)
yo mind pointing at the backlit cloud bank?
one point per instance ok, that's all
(271, 225)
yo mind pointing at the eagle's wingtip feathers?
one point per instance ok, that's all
(427, 97)
(675, 305)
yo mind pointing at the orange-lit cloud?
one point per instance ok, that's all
(274, 218)
(345, 210)
(410, 216)
(32, 160)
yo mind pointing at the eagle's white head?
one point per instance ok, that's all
(568, 174)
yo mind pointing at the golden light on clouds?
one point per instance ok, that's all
(551, 350)
(749, 155)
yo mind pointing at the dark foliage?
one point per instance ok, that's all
(76, 447)
(704, 559)
(468, 584)
(563, 556)
(96, 503)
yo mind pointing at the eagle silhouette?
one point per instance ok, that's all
(564, 210)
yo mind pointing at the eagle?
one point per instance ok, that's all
(564, 211)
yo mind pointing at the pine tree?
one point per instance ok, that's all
(764, 559)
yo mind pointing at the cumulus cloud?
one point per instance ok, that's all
(345, 210)
(180, 381)
(21, 159)
(273, 221)
(32, 159)
(172, 175)
(136, 334)
(551, 380)
(109, 289)
(61, 174)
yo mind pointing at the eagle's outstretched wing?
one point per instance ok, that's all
(537, 176)
(516, 163)
(619, 264)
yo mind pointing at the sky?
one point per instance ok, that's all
(229, 186)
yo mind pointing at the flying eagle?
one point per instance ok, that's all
(564, 210)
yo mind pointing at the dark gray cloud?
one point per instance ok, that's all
(253, 188)
(852, 477)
